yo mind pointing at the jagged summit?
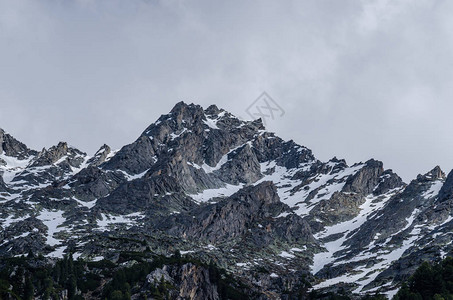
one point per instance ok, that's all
(213, 110)
(9, 146)
(54, 154)
(100, 156)
(435, 173)
(190, 115)
(225, 190)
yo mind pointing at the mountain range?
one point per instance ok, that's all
(204, 184)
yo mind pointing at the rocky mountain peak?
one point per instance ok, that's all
(434, 174)
(264, 193)
(100, 156)
(213, 110)
(366, 179)
(12, 147)
(182, 108)
(372, 178)
(182, 117)
(56, 153)
(186, 113)
(337, 160)
(52, 155)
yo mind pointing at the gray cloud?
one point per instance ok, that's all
(357, 79)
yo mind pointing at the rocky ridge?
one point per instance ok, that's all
(226, 191)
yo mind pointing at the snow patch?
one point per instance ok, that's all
(133, 177)
(211, 123)
(286, 255)
(327, 184)
(433, 190)
(89, 205)
(53, 220)
(366, 209)
(207, 195)
(13, 167)
(108, 220)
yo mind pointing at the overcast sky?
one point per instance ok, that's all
(356, 79)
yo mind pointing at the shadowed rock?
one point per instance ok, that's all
(446, 192)
(366, 179)
(12, 147)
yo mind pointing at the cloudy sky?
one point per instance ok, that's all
(356, 79)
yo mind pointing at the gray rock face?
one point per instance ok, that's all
(156, 276)
(100, 156)
(156, 194)
(48, 166)
(397, 235)
(231, 218)
(195, 284)
(134, 158)
(23, 236)
(3, 187)
(388, 181)
(394, 215)
(179, 143)
(242, 167)
(92, 183)
(446, 192)
(193, 281)
(249, 219)
(365, 180)
(56, 153)
(339, 208)
(288, 154)
(12, 147)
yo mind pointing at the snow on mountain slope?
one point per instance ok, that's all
(344, 231)
(325, 185)
(12, 166)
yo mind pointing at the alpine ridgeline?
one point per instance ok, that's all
(226, 191)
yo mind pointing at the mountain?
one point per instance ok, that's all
(204, 184)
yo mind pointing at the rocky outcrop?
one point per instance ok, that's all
(366, 179)
(22, 237)
(446, 192)
(72, 156)
(339, 208)
(232, 218)
(100, 156)
(388, 181)
(155, 194)
(242, 166)
(393, 217)
(195, 284)
(3, 187)
(189, 281)
(52, 165)
(399, 229)
(180, 143)
(134, 158)
(268, 147)
(93, 183)
(12, 147)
